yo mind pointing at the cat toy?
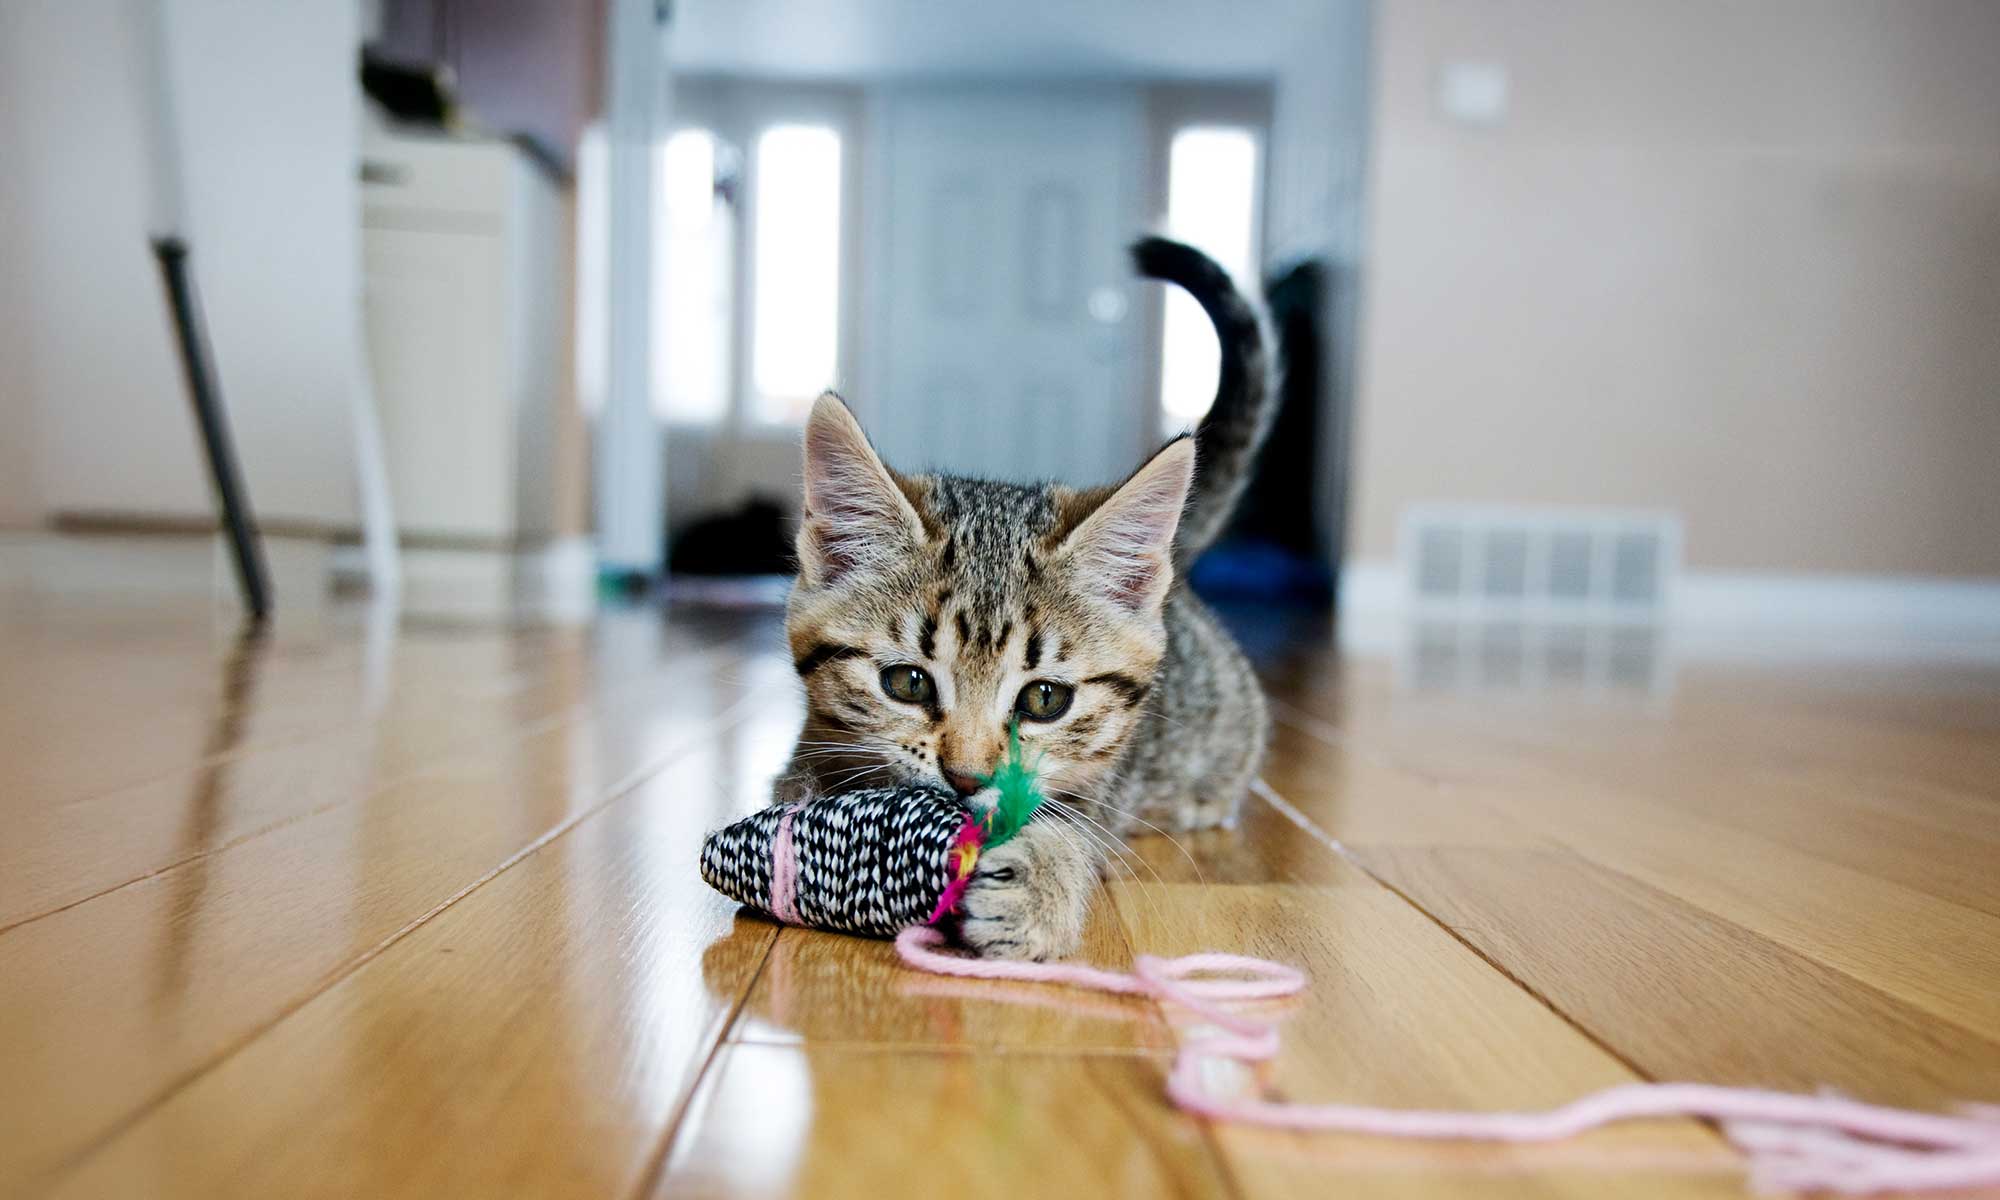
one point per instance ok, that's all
(871, 861)
(895, 861)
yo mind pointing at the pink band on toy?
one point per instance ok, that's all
(784, 872)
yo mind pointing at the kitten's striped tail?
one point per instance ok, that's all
(1227, 441)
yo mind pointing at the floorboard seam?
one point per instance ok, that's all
(1223, 1165)
(1291, 813)
(574, 715)
(1286, 809)
(656, 1163)
(953, 1049)
(631, 782)
(219, 758)
(1330, 735)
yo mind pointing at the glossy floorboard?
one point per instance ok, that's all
(323, 914)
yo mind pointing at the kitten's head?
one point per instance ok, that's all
(933, 611)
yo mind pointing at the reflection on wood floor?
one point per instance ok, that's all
(310, 914)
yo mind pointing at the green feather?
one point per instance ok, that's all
(1019, 796)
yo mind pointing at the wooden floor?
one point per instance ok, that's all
(324, 914)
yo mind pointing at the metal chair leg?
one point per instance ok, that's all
(230, 495)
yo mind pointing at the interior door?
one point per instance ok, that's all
(1005, 341)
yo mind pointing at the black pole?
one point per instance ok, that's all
(230, 495)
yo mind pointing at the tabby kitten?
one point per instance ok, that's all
(932, 611)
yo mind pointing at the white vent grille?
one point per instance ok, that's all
(1568, 563)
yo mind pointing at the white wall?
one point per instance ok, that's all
(1737, 260)
(268, 109)
(1093, 40)
(20, 499)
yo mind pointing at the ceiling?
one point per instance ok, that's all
(866, 39)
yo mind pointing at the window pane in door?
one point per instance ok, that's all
(593, 269)
(795, 297)
(691, 283)
(1212, 206)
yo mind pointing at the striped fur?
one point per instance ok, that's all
(988, 587)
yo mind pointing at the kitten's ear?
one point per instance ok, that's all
(1125, 549)
(855, 515)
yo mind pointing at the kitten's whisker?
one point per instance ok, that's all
(1076, 813)
(1100, 836)
(854, 737)
(1112, 842)
(1077, 840)
(1079, 835)
(871, 752)
(1112, 855)
(1200, 877)
(1152, 902)
(837, 753)
(861, 742)
(855, 774)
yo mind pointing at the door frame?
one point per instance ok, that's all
(738, 456)
(736, 109)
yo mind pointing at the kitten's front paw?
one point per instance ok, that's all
(1029, 897)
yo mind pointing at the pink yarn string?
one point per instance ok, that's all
(1794, 1142)
(785, 872)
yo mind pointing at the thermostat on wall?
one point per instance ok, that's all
(1473, 93)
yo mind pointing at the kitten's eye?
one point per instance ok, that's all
(911, 685)
(1044, 701)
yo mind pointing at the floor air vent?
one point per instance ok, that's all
(1567, 563)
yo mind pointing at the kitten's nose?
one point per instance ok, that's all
(960, 782)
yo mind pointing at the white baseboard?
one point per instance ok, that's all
(1373, 588)
(1906, 605)
(1738, 609)
(556, 581)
